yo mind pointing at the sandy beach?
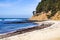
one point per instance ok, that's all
(29, 19)
(48, 33)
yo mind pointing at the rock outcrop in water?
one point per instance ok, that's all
(47, 9)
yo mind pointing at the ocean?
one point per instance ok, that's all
(9, 24)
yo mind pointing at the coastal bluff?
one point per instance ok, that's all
(47, 10)
(44, 16)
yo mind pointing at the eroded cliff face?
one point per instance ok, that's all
(47, 9)
(44, 16)
(56, 16)
(41, 16)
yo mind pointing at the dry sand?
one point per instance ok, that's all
(49, 33)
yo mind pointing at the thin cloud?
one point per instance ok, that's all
(20, 8)
(9, 3)
(5, 5)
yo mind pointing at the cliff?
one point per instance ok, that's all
(56, 16)
(47, 9)
(41, 16)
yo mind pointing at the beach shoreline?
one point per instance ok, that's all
(48, 32)
(21, 31)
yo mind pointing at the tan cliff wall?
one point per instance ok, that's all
(44, 16)
(41, 16)
(56, 16)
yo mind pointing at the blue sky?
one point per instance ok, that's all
(17, 8)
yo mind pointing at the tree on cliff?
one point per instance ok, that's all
(48, 5)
